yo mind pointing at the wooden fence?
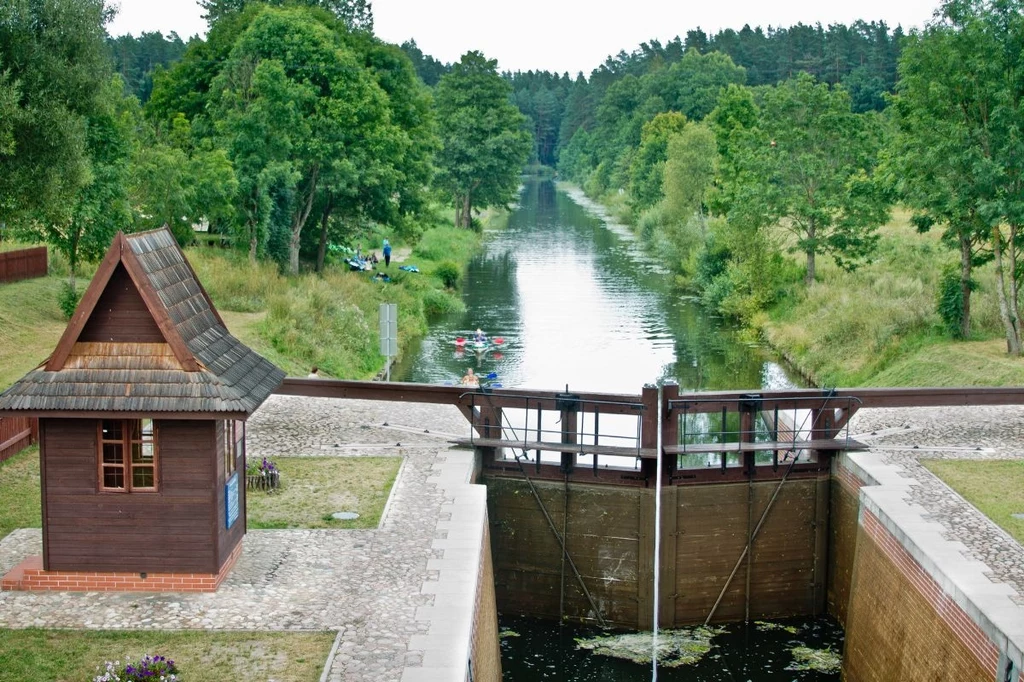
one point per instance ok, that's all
(17, 433)
(22, 264)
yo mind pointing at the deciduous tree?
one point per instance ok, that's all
(483, 143)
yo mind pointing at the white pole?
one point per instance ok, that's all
(657, 543)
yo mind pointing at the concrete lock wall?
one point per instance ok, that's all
(609, 535)
(913, 607)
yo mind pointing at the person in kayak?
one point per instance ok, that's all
(470, 379)
(479, 337)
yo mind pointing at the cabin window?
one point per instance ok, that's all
(234, 445)
(128, 455)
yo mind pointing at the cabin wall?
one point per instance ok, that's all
(228, 538)
(121, 315)
(170, 531)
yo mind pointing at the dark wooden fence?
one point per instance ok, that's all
(22, 264)
(17, 433)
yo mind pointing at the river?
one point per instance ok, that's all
(577, 302)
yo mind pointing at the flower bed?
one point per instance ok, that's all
(262, 475)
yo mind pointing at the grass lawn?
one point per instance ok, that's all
(30, 325)
(74, 656)
(19, 492)
(996, 487)
(313, 488)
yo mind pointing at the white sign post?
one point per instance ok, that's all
(388, 334)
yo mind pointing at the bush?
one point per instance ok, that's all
(67, 299)
(441, 303)
(950, 300)
(148, 669)
(449, 273)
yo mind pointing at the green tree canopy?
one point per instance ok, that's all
(54, 69)
(483, 143)
(807, 168)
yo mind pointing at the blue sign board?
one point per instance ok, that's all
(231, 499)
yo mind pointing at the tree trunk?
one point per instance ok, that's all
(467, 211)
(1014, 290)
(965, 286)
(458, 211)
(252, 246)
(1012, 333)
(809, 277)
(321, 252)
(299, 220)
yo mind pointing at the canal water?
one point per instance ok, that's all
(576, 301)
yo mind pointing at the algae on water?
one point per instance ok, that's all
(684, 646)
(822, 660)
(768, 626)
(507, 632)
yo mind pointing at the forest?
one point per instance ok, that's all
(743, 157)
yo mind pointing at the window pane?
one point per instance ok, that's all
(142, 477)
(147, 428)
(142, 453)
(113, 453)
(111, 429)
(113, 477)
(134, 429)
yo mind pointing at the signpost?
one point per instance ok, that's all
(388, 334)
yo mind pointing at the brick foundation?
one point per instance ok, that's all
(29, 576)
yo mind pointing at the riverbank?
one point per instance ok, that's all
(878, 326)
(328, 320)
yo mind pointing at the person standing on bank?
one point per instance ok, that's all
(387, 254)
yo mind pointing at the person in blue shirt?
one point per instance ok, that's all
(387, 254)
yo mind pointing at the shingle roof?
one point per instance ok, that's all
(201, 367)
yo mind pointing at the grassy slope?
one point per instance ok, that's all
(19, 492)
(995, 487)
(30, 325)
(70, 656)
(878, 327)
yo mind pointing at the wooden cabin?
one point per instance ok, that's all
(142, 409)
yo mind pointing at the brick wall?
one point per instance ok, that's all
(485, 646)
(30, 576)
(844, 508)
(901, 625)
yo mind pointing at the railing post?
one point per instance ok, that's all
(649, 431)
(568, 404)
(669, 429)
(749, 406)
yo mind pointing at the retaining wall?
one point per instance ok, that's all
(917, 608)
(704, 529)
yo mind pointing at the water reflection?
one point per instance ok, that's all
(577, 302)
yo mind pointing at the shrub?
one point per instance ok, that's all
(441, 303)
(148, 669)
(449, 273)
(68, 298)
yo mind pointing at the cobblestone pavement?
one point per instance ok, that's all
(903, 437)
(365, 583)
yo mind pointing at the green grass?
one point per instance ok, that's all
(878, 326)
(995, 487)
(74, 656)
(30, 325)
(313, 488)
(19, 492)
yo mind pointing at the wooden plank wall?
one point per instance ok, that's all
(228, 538)
(121, 314)
(167, 532)
(16, 434)
(610, 536)
(23, 264)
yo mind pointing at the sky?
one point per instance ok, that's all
(553, 35)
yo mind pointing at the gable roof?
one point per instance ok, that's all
(199, 367)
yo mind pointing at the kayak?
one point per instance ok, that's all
(478, 346)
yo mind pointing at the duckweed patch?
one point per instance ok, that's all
(820, 660)
(685, 646)
(768, 626)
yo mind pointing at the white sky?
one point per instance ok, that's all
(553, 35)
